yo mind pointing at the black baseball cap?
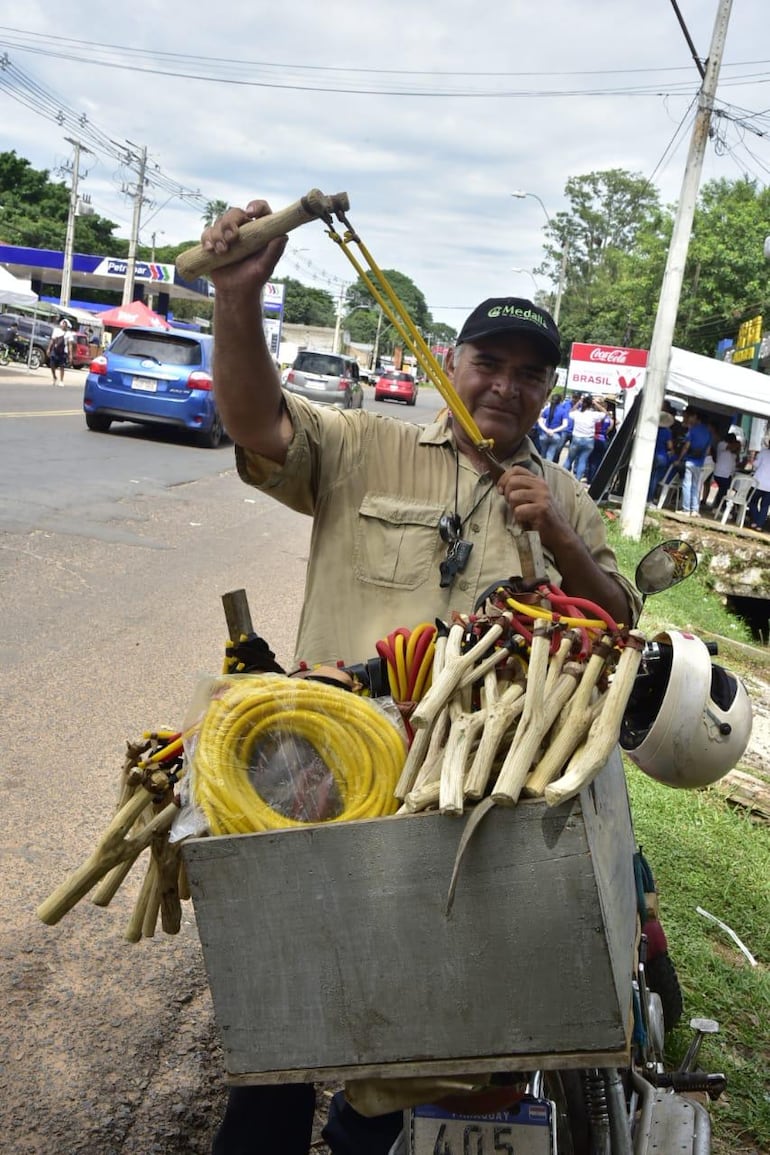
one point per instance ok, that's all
(513, 315)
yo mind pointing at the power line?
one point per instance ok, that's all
(324, 78)
(33, 95)
(27, 41)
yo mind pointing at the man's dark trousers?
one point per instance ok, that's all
(278, 1120)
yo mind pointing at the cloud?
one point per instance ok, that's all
(429, 176)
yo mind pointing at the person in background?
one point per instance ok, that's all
(664, 454)
(759, 506)
(725, 465)
(692, 456)
(13, 340)
(584, 419)
(58, 351)
(603, 433)
(553, 425)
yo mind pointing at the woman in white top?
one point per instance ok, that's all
(759, 506)
(725, 465)
(585, 418)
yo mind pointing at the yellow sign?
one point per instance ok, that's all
(750, 332)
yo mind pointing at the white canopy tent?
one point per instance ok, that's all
(725, 387)
(14, 291)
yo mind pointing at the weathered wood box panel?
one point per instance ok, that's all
(329, 953)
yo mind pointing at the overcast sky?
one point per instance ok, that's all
(429, 115)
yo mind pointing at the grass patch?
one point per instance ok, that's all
(690, 605)
(705, 853)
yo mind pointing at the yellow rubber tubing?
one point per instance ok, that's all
(362, 749)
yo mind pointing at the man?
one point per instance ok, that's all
(692, 455)
(380, 490)
(664, 453)
(58, 351)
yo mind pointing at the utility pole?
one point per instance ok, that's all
(69, 242)
(138, 195)
(376, 346)
(338, 322)
(640, 468)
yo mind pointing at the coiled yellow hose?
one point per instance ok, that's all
(360, 747)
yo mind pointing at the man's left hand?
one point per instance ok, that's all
(532, 504)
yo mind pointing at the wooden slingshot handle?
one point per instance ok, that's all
(254, 235)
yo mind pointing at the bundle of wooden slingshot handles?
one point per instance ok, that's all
(523, 699)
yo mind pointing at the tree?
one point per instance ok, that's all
(407, 292)
(213, 210)
(304, 305)
(35, 210)
(613, 216)
(726, 280)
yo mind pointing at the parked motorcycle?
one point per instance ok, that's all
(19, 352)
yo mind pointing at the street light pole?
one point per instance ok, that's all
(530, 275)
(562, 279)
(520, 194)
(338, 320)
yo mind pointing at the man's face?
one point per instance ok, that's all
(503, 381)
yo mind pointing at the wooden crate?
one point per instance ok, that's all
(329, 953)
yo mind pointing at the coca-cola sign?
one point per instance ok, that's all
(607, 369)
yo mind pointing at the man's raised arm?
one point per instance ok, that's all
(246, 382)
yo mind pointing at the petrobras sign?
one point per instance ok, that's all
(606, 369)
(272, 297)
(143, 270)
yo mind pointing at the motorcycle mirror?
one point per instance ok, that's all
(664, 566)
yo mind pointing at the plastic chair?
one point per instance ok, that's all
(736, 499)
(707, 473)
(671, 487)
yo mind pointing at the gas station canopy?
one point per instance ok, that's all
(45, 266)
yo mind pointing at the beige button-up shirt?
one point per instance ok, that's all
(376, 488)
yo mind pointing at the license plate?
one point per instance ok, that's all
(528, 1129)
(145, 384)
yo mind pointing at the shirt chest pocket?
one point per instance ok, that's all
(397, 543)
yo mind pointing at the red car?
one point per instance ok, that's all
(396, 386)
(80, 351)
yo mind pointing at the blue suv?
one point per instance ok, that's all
(155, 377)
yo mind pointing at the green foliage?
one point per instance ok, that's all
(726, 278)
(410, 296)
(307, 306)
(362, 325)
(213, 210)
(703, 853)
(35, 208)
(617, 236)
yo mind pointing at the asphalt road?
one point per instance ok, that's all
(114, 551)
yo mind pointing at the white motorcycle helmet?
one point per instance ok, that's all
(692, 721)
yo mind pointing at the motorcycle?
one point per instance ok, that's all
(590, 943)
(19, 352)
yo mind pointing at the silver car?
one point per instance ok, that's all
(326, 379)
